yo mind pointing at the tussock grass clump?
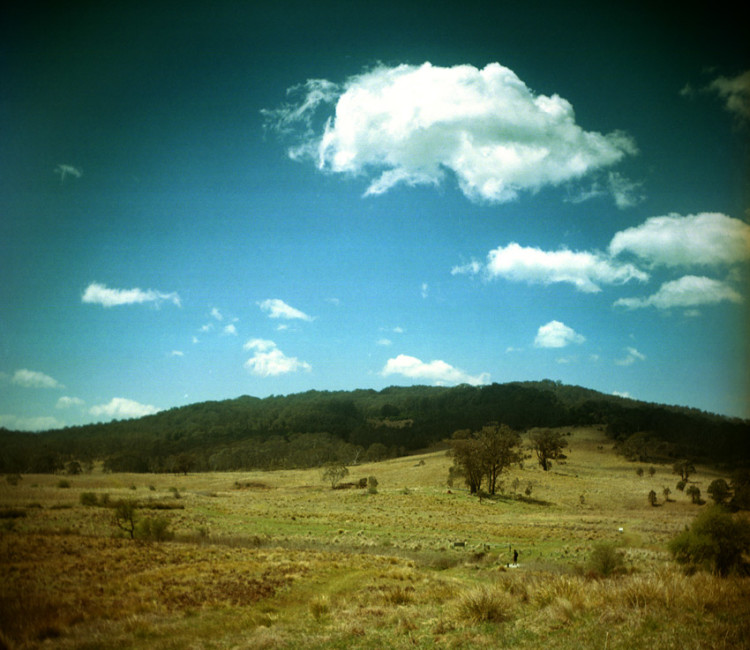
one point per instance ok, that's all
(486, 604)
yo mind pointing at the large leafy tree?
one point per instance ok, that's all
(485, 454)
(548, 445)
(716, 541)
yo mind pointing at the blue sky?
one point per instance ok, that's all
(205, 200)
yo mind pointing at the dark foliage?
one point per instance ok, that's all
(318, 427)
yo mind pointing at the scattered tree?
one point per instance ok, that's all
(334, 472)
(719, 491)
(124, 516)
(652, 498)
(666, 492)
(548, 445)
(485, 454)
(681, 485)
(716, 541)
(639, 471)
(694, 492)
(740, 485)
(73, 468)
(684, 468)
(651, 470)
(372, 485)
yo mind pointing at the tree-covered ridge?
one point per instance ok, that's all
(315, 427)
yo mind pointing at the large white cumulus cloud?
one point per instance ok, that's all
(410, 124)
(705, 239)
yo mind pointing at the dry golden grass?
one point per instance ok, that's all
(278, 559)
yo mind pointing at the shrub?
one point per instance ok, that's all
(606, 560)
(715, 540)
(12, 513)
(63, 483)
(681, 485)
(88, 499)
(486, 605)
(153, 529)
(652, 498)
(372, 485)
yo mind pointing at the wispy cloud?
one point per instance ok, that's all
(410, 123)
(121, 407)
(34, 379)
(631, 356)
(268, 360)
(67, 170)
(689, 291)
(276, 308)
(586, 271)
(701, 239)
(69, 402)
(18, 423)
(556, 335)
(100, 294)
(735, 91)
(438, 372)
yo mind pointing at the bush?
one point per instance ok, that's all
(63, 484)
(606, 560)
(372, 485)
(652, 498)
(486, 604)
(153, 529)
(88, 499)
(715, 541)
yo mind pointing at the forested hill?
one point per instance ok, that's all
(316, 427)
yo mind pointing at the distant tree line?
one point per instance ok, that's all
(318, 427)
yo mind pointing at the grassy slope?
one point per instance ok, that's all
(288, 562)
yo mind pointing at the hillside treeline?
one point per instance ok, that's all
(313, 428)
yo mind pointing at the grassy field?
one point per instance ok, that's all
(279, 559)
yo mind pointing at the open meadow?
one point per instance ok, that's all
(280, 559)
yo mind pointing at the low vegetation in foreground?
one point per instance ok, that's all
(386, 556)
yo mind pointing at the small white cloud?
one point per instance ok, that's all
(268, 360)
(425, 290)
(177, 353)
(69, 402)
(215, 313)
(703, 239)
(99, 294)
(556, 335)
(585, 271)
(619, 393)
(384, 342)
(276, 308)
(230, 330)
(439, 372)
(409, 124)
(123, 408)
(67, 170)
(688, 292)
(632, 355)
(34, 379)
